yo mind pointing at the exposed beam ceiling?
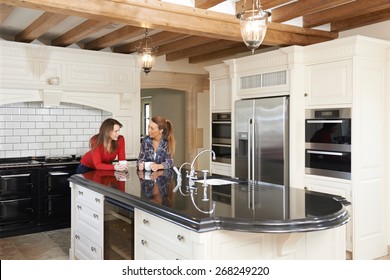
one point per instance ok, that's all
(178, 31)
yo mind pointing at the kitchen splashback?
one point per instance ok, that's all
(29, 129)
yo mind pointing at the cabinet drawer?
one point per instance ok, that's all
(86, 249)
(148, 249)
(90, 198)
(89, 222)
(164, 232)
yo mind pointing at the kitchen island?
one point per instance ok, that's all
(229, 221)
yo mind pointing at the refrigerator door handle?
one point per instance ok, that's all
(249, 149)
(253, 151)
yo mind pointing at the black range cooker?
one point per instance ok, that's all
(35, 193)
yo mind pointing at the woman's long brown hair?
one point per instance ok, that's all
(167, 127)
(103, 136)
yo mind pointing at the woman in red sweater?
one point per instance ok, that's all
(105, 147)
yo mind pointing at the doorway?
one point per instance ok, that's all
(169, 104)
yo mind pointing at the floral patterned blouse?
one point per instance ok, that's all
(162, 155)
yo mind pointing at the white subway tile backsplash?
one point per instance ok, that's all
(43, 111)
(56, 138)
(12, 153)
(22, 146)
(29, 129)
(6, 132)
(42, 138)
(27, 111)
(35, 132)
(20, 132)
(76, 118)
(5, 118)
(57, 125)
(50, 145)
(12, 111)
(27, 125)
(12, 125)
(36, 118)
(49, 118)
(12, 139)
(35, 146)
(28, 139)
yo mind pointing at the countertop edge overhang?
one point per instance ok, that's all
(334, 220)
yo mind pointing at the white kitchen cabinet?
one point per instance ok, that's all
(87, 224)
(220, 95)
(160, 239)
(329, 83)
(220, 88)
(336, 187)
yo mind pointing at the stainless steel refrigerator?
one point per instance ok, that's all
(261, 140)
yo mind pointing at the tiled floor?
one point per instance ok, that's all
(49, 245)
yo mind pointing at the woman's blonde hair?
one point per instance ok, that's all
(167, 127)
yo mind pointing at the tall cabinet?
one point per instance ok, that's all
(353, 72)
(220, 102)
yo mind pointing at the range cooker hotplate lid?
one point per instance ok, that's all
(59, 158)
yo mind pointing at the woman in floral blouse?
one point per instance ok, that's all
(159, 146)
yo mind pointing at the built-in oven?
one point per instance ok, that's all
(328, 142)
(221, 130)
(118, 230)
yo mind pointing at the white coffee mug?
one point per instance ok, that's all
(148, 165)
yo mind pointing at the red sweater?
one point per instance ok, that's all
(101, 159)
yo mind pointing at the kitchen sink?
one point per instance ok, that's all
(216, 182)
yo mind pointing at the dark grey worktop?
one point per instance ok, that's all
(241, 207)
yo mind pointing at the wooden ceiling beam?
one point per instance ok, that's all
(114, 38)
(5, 10)
(206, 4)
(303, 7)
(78, 33)
(360, 21)
(342, 12)
(40, 26)
(232, 51)
(160, 38)
(158, 15)
(182, 44)
(201, 49)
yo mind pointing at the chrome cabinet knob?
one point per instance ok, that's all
(180, 237)
(143, 242)
(146, 222)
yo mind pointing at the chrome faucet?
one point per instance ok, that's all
(192, 172)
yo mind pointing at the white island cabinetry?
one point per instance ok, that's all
(87, 224)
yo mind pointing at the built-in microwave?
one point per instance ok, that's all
(328, 142)
(221, 130)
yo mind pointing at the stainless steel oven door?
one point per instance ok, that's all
(223, 153)
(336, 164)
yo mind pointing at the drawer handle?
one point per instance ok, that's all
(144, 243)
(97, 200)
(96, 216)
(77, 237)
(79, 207)
(146, 222)
(93, 249)
(81, 193)
(180, 237)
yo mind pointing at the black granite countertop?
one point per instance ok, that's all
(240, 206)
